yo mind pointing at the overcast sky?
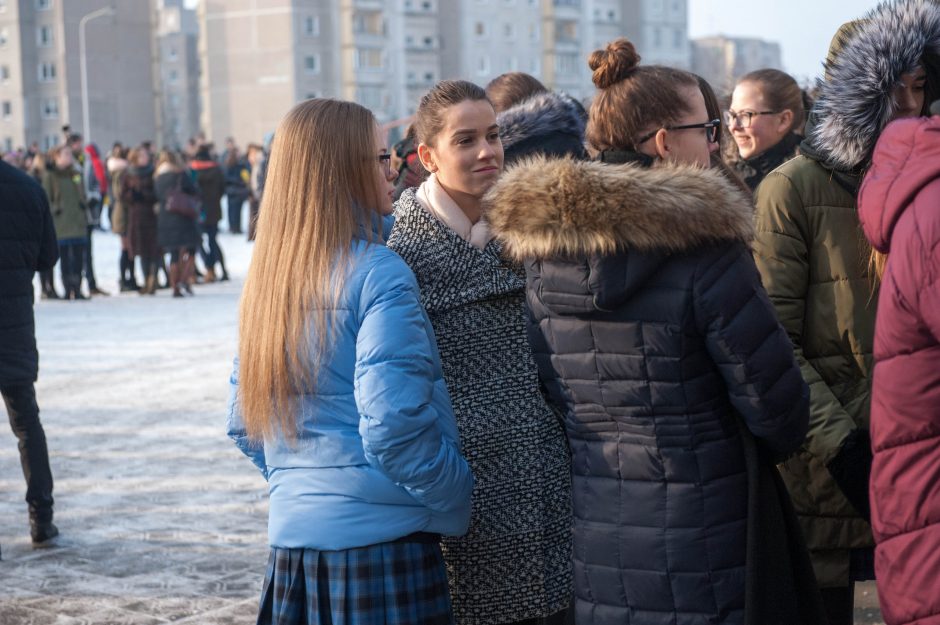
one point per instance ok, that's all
(803, 28)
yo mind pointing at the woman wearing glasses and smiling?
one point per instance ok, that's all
(654, 336)
(766, 113)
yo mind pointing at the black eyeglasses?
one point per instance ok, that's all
(744, 117)
(711, 130)
(385, 162)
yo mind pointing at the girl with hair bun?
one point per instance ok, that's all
(677, 386)
(514, 564)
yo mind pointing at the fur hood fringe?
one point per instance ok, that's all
(855, 102)
(543, 113)
(542, 208)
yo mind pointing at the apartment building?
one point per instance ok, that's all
(176, 42)
(40, 71)
(723, 60)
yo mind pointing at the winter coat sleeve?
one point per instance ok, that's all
(752, 351)
(781, 251)
(49, 187)
(929, 293)
(396, 372)
(48, 246)
(236, 426)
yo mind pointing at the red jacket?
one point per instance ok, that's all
(899, 206)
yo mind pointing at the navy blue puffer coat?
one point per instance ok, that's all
(653, 333)
(27, 244)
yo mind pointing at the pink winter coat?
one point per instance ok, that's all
(899, 206)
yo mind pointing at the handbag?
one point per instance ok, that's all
(181, 203)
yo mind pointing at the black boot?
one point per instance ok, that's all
(42, 533)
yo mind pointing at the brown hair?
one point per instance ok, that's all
(632, 98)
(429, 118)
(168, 158)
(316, 199)
(780, 92)
(511, 88)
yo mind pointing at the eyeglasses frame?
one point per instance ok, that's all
(750, 117)
(714, 126)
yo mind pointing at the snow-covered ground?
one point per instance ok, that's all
(161, 518)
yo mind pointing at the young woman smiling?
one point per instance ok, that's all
(765, 114)
(514, 563)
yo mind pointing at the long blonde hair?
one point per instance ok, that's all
(322, 188)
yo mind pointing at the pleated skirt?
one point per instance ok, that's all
(402, 582)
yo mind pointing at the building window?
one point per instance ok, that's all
(567, 63)
(173, 54)
(174, 76)
(46, 72)
(483, 65)
(4, 73)
(311, 96)
(4, 36)
(371, 97)
(43, 5)
(311, 28)
(479, 29)
(50, 141)
(50, 108)
(369, 59)
(677, 39)
(6, 109)
(535, 66)
(312, 64)
(369, 23)
(3, 5)
(533, 32)
(567, 31)
(44, 36)
(7, 141)
(509, 31)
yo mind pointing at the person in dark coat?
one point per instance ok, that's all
(27, 244)
(237, 173)
(655, 338)
(533, 120)
(211, 183)
(897, 206)
(138, 199)
(177, 234)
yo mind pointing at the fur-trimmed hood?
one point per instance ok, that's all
(551, 123)
(855, 100)
(545, 208)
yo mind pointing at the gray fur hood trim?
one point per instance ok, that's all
(542, 208)
(542, 114)
(855, 103)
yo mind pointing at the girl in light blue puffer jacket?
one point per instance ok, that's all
(338, 395)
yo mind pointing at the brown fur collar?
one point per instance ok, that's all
(562, 207)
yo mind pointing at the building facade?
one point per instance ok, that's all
(40, 72)
(723, 60)
(177, 87)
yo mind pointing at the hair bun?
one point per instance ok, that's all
(614, 63)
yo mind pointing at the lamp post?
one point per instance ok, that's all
(86, 122)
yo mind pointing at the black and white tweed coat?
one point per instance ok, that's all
(514, 563)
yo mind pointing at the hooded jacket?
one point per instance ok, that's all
(211, 183)
(898, 208)
(547, 123)
(813, 257)
(653, 334)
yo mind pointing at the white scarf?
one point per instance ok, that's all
(432, 196)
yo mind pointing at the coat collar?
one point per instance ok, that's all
(561, 207)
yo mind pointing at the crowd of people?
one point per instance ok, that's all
(546, 364)
(165, 204)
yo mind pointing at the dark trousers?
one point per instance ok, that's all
(839, 604)
(23, 411)
(211, 254)
(71, 259)
(88, 261)
(235, 202)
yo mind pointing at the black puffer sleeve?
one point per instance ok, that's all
(751, 348)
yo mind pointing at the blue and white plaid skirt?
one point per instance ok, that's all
(402, 582)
